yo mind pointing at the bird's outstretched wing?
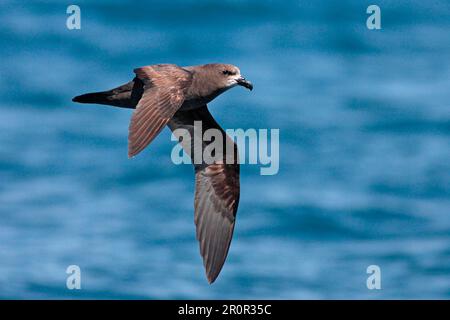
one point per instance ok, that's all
(163, 95)
(216, 189)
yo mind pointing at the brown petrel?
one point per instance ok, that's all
(166, 94)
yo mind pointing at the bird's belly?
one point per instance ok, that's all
(194, 104)
(198, 101)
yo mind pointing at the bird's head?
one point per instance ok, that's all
(227, 76)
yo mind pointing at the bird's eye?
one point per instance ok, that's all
(227, 72)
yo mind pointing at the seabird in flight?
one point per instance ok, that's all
(166, 94)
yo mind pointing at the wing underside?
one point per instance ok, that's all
(216, 191)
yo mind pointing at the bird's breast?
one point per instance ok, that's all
(192, 104)
(194, 101)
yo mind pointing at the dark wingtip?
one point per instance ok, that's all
(132, 152)
(212, 276)
(76, 99)
(211, 280)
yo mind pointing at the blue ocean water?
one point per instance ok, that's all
(364, 176)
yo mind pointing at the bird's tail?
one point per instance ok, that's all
(125, 96)
(103, 97)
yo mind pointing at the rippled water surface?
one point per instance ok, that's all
(364, 119)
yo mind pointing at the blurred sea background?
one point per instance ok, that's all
(364, 179)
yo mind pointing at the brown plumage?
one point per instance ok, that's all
(166, 94)
(216, 191)
(164, 87)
